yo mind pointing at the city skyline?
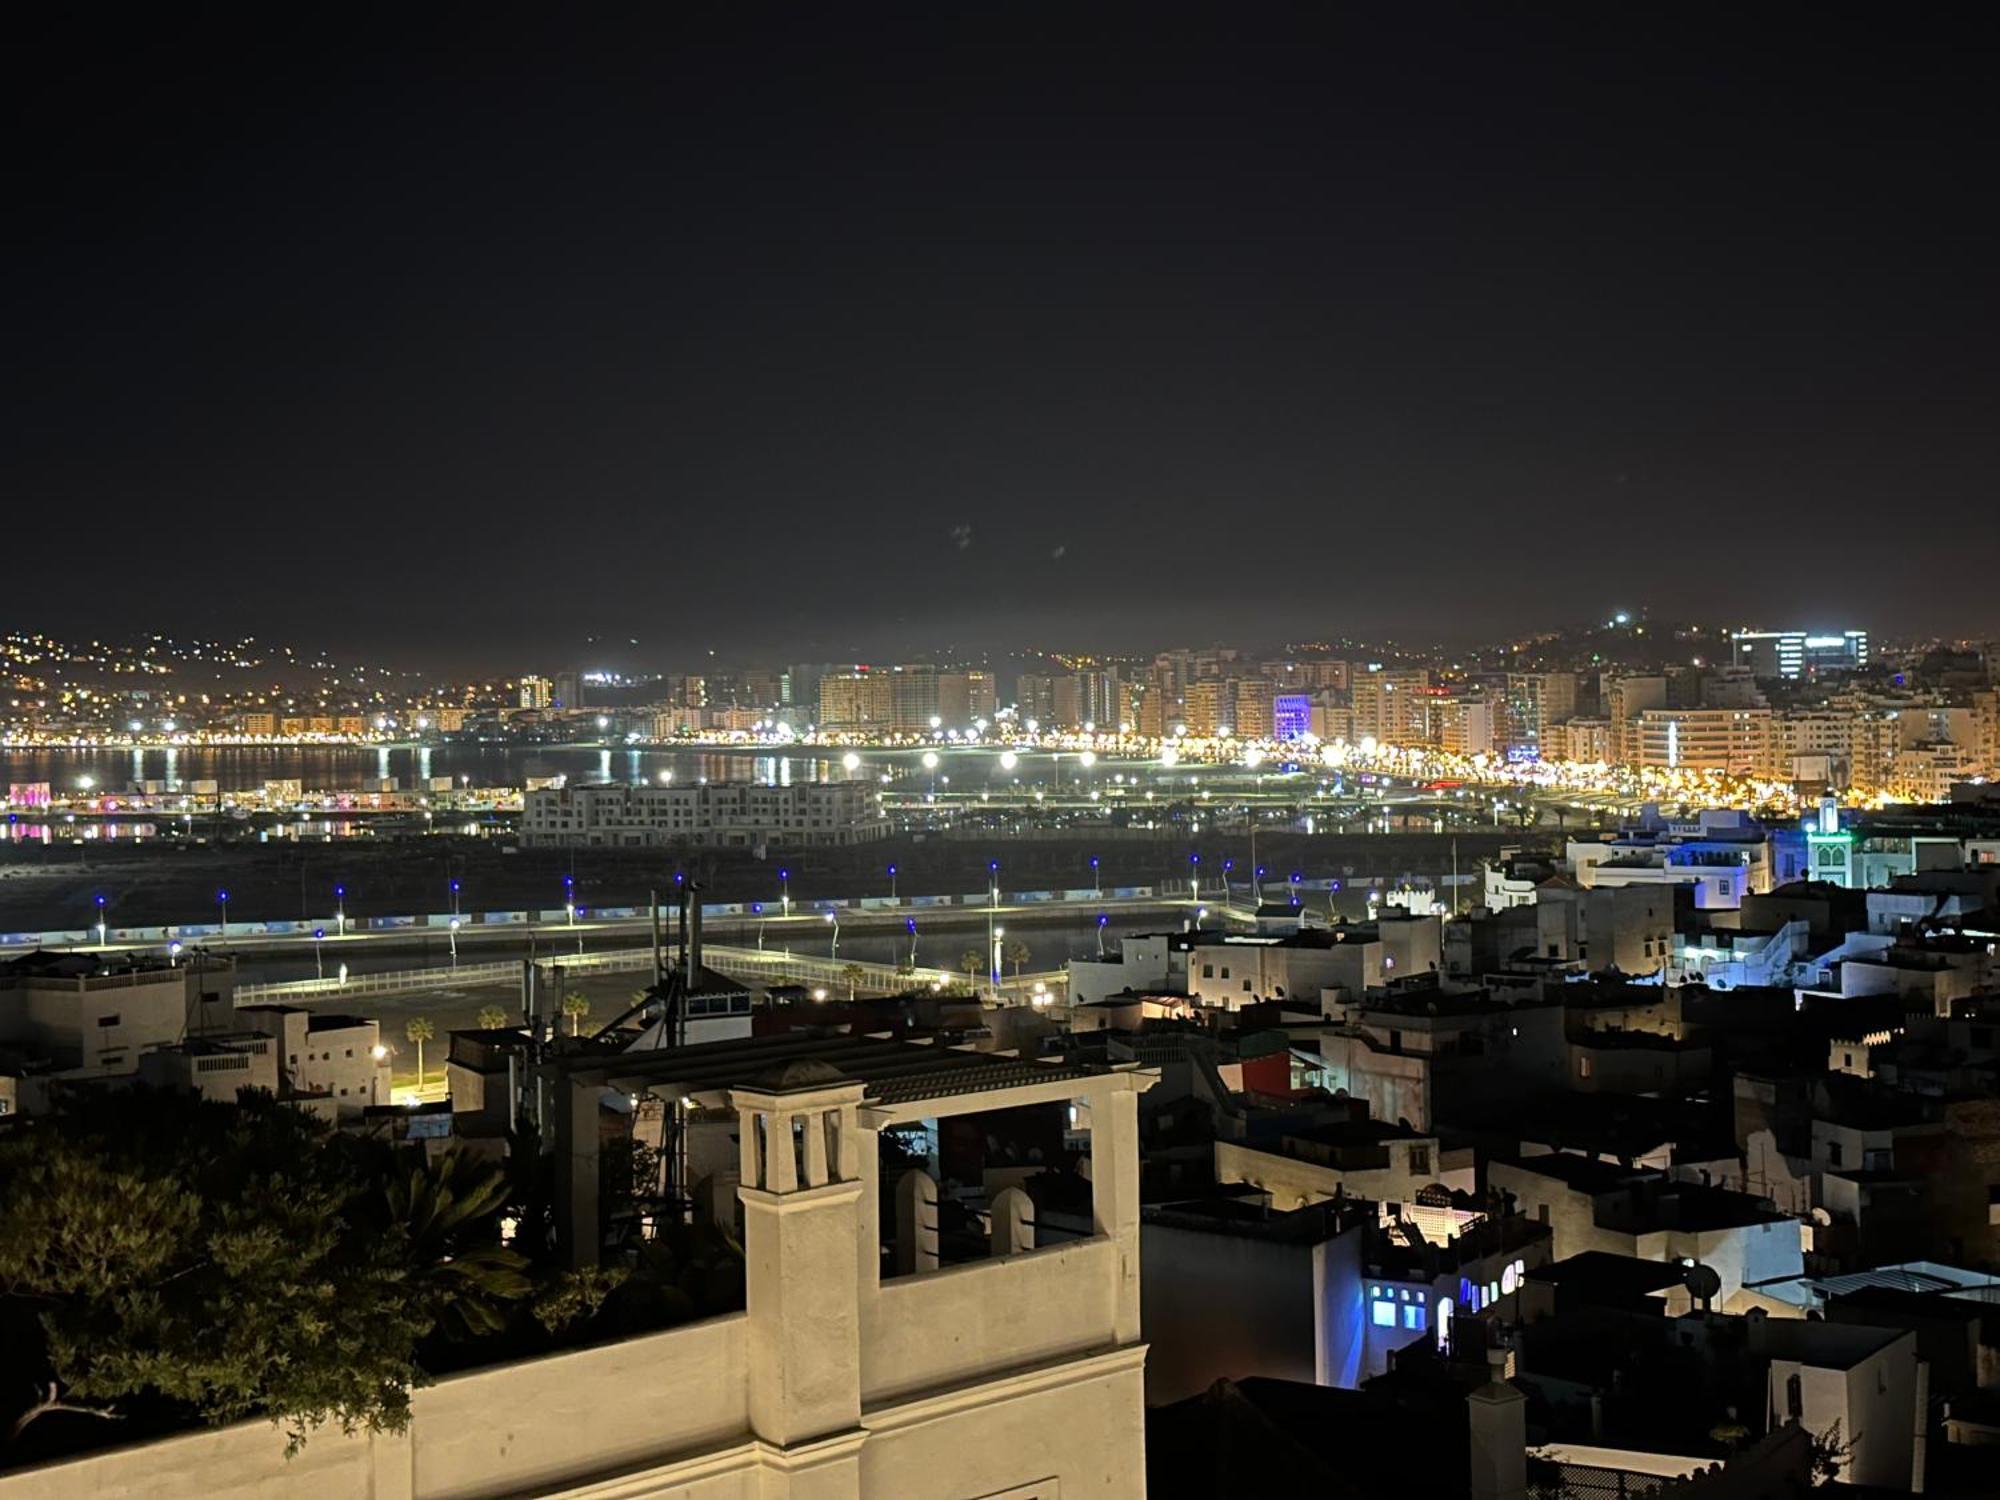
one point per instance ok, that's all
(870, 333)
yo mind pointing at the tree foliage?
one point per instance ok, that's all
(225, 1261)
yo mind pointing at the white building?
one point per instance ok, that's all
(338, 1059)
(1017, 1376)
(734, 814)
(217, 1068)
(92, 1015)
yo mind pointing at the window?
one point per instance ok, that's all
(1383, 1314)
(1583, 1066)
(1208, 971)
(1413, 1317)
(1833, 1153)
(1420, 1161)
(1225, 971)
(1246, 986)
(107, 1020)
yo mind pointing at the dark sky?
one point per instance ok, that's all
(858, 329)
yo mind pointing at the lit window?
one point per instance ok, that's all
(1413, 1317)
(1383, 1314)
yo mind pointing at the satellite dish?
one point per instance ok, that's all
(1702, 1283)
(1822, 1218)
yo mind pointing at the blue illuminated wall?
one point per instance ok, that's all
(1291, 716)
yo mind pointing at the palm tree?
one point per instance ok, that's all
(1017, 954)
(419, 1030)
(575, 1005)
(851, 975)
(971, 960)
(492, 1017)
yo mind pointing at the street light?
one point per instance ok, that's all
(892, 884)
(319, 954)
(1096, 879)
(998, 934)
(454, 899)
(1102, 920)
(101, 940)
(454, 942)
(1009, 760)
(1194, 876)
(834, 951)
(1295, 887)
(222, 899)
(785, 891)
(850, 762)
(340, 909)
(911, 924)
(1259, 886)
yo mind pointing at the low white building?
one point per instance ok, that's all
(1015, 1376)
(338, 1059)
(92, 1015)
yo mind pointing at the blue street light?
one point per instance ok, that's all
(340, 909)
(911, 924)
(892, 884)
(222, 900)
(785, 890)
(1102, 921)
(101, 939)
(319, 960)
(1096, 880)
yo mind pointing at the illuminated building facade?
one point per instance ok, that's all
(1800, 653)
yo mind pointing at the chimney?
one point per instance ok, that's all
(1498, 1418)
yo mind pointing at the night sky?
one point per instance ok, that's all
(856, 330)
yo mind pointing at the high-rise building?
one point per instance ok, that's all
(1625, 698)
(1536, 703)
(537, 692)
(1733, 740)
(1389, 707)
(1800, 653)
(857, 700)
(913, 692)
(1253, 710)
(1206, 709)
(964, 698)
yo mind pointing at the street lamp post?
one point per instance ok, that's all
(101, 938)
(319, 953)
(1102, 919)
(454, 899)
(340, 909)
(222, 899)
(998, 934)
(1096, 878)
(454, 942)
(892, 884)
(911, 923)
(1194, 876)
(1295, 888)
(834, 951)
(785, 891)
(1257, 885)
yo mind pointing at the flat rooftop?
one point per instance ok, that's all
(890, 1072)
